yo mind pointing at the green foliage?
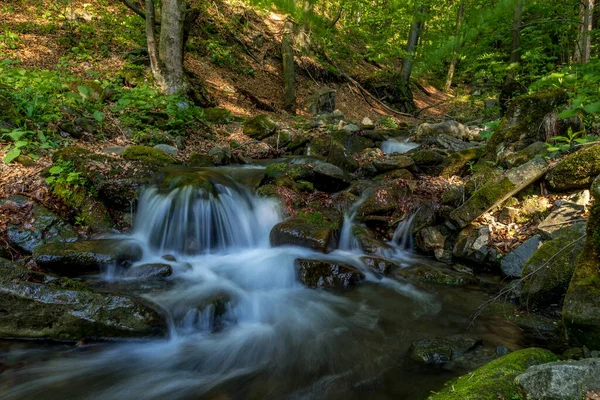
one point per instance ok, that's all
(567, 143)
(23, 142)
(9, 39)
(62, 173)
(220, 54)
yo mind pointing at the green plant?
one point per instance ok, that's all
(220, 54)
(63, 173)
(23, 142)
(491, 128)
(568, 142)
(388, 122)
(9, 39)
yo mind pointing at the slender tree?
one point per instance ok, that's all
(289, 74)
(586, 15)
(515, 54)
(408, 104)
(459, 19)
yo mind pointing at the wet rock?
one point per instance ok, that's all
(167, 149)
(390, 163)
(327, 274)
(199, 160)
(561, 380)
(512, 264)
(46, 227)
(322, 101)
(450, 128)
(426, 159)
(495, 379)
(383, 200)
(37, 306)
(560, 220)
(430, 238)
(260, 127)
(353, 143)
(529, 119)
(329, 178)
(333, 152)
(395, 174)
(279, 140)
(150, 271)
(472, 244)
(576, 171)
(378, 264)
(148, 155)
(86, 256)
(220, 155)
(315, 230)
(458, 163)
(441, 350)
(368, 243)
(450, 143)
(453, 196)
(552, 267)
(495, 192)
(438, 274)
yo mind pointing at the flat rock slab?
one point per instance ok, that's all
(512, 264)
(562, 380)
(560, 219)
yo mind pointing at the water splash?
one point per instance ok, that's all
(395, 146)
(402, 238)
(348, 240)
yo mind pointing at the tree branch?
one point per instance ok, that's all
(134, 8)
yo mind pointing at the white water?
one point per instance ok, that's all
(395, 146)
(275, 334)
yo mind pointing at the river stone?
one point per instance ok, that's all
(472, 244)
(390, 163)
(495, 380)
(367, 124)
(38, 306)
(560, 219)
(552, 267)
(167, 149)
(429, 239)
(260, 127)
(329, 178)
(451, 128)
(220, 155)
(383, 199)
(575, 171)
(441, 350)
(86, 256)
(353, 143)
(351, 128)
(46, 227)
(327, 274)
(561, 380)
(495, 192)
(438, 274)
(512, 264)
(450, 143)
(315, 230)
(149, 271)
(332, 151)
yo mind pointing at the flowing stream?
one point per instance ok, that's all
(242, 326)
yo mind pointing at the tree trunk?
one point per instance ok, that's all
(407, 103)
(289, 75)
(171, 46)
(303, 37)
(151, 42)
(459, 19)
(515, 55)
(582, 52)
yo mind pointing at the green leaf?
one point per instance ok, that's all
(55, 170)
(11, 155)
(592, 108)
(16, 134)
(98, 116)
(21, 143)
(568, 113)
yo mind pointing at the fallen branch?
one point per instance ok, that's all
(258, 103)
(419, 111)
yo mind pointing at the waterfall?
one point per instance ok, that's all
(348, 241)
(395, 146)
(402, 237)
(189, 220)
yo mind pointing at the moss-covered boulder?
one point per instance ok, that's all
(437, 274)
(494, 380)
(44, 226)
(576, 171)
(551, 268)
(327, 274)
(390, 163)
(524, 124)
(38, 306)
(495, 192)
(197, 160)
(353, 142)
(218, 116)
(383, 200)
(458, 162)
(333, 152)
(528, 153)
(86, 256)
(259, 127)
(316, 230)
(148, 155)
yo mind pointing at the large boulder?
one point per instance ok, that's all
(561, 380)
(472, 245)
(86, 256)
(329, 178)
(494, 380)
(260, 127)
(42, 226)
(576, 171)
(383, 200)
(37, 306)
(561, 219)
(495, 192)
(458, 163)
(390, 163)
(524, 122)
(316, 230)
(550, 269)
(333, 152)
(451, 128)
(327, 274)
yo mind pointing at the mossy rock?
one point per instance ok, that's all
(275, 170)
(316, 230)
(528, 153)
(576, 171)
(148, 155)
(353, 143)
(480, 174)
(90, 211)
(427, 158)
(552, 267)
(259, 127)
(521, 125)
(199, 160)
(494, 380)
(436, 275)
(327, 274)
(458, 162)
(384, 199)
(333, 152)
(218, 116)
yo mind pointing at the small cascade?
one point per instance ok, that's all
(348, 241)
(396, 146)
(191, 220)
(402, 238)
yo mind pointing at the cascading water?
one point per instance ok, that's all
(242, 325)
(402, 236)
(397, 146)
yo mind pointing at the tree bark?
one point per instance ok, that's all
(515, 54)
(459, 19)
(289, 75)
(170, 50)
(407, 102)
(151, 43)
(303, 37)
(583, 50)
